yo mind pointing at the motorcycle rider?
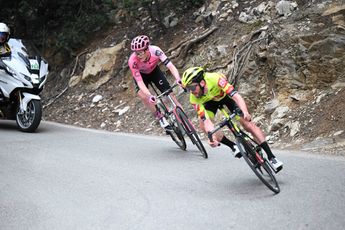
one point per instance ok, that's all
(5, 49)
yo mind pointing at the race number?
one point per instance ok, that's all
(222, 82)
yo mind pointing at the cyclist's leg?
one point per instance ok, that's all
(211, 108)
(162, 83)
(257, 134)
(143, 97)
(251, 127)
(147, 80)
(158, 78)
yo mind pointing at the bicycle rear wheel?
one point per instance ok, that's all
(190, 131)
(258, 164)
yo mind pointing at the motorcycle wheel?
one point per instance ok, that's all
(29, 120)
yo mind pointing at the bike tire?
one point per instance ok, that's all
(30, 120)
(261, 169)
(176, 135)
(190, 131)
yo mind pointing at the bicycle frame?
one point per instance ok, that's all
(166, 94)
(176, 113)
(250, 150)
(169, 112)
(228, 121)
(173, 106)
(237, 132)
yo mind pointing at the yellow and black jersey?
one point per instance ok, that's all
(217, 87)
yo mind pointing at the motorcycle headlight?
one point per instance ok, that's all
(27, 78)
(35, 78)
(10, 71)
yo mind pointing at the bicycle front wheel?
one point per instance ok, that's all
(258, 164)
(190, 131)
(176, 133)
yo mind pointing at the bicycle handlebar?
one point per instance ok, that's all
(221, 124)
(167, 92)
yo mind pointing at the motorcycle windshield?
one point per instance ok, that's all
(17, 46)
(19, 58)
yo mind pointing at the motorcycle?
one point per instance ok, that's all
(22, 78)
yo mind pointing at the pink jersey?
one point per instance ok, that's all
(137, 66)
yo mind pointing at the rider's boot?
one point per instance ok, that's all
(276, 164)
(236, 152)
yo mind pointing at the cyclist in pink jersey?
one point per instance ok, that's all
(143, 64)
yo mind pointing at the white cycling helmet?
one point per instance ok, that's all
(4, 33)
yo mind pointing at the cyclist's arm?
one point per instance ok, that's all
(173, 70)
(202, 114)
(143, 88)
(229, 90)
(242, 105)
(207, 124)
(166, 61)
(137, 76)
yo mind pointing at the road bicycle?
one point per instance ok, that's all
(250, 150)
(179, 121)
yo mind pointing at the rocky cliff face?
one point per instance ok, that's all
(292, 79)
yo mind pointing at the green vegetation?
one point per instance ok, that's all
(178, 5)
(61, 25)
(64, 26)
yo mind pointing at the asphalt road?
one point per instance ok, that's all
(67, 178)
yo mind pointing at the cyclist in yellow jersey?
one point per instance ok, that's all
(208, 91)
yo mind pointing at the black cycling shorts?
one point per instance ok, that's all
(211, 107)
(157, 78)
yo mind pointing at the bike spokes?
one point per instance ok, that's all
(176, 134)
(258, 164)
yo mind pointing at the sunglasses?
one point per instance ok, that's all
(3, 36)
(191, 87)
(140, 53)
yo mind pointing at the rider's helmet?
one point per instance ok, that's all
(4, 33)
(140, 43)
(193, 74)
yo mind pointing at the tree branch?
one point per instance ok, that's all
(186, 44)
